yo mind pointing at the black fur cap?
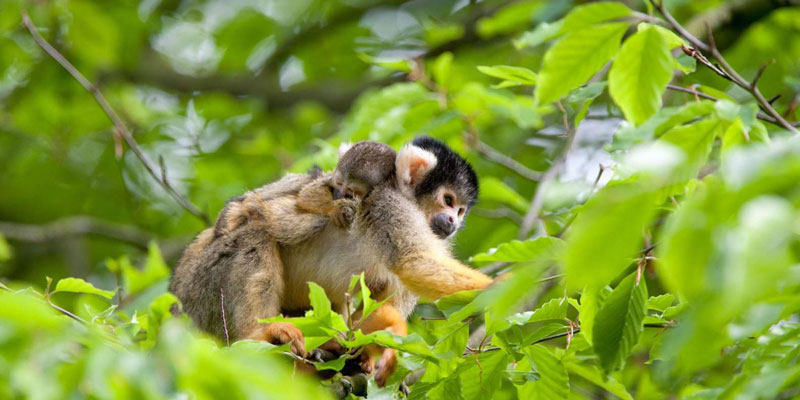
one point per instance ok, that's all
(451, 169)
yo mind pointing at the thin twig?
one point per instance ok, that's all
(537, 202)
(501, 212)
(571, 331)
(115, 119)
(224, 321)
(761, 116)
(495, 267)
(506, 161)
(724, 69)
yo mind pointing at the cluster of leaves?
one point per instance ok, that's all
(672, 270)
(127, 345)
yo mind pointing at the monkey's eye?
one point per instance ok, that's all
(448, 200)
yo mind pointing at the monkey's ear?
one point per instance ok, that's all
(343, 148)
(413, 164)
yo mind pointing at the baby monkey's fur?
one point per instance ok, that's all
(268, 244)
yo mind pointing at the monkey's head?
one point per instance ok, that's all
(443, 184)
(361, 167)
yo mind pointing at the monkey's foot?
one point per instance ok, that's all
(285, 332)
(386, 366)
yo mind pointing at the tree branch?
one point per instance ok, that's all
(760, 116)
(85, 225)
(506, 161)
(537, 202)
(121, 129)
(724, 69)
(569, 333)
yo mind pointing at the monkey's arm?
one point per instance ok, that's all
(431, 275)
(317, 198)
(420, 259)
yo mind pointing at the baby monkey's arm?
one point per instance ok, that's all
(317, 198)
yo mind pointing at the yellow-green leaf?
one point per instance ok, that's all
(640, 74)
(77, 285)
(576, 58)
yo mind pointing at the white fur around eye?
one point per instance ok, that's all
(413, 163)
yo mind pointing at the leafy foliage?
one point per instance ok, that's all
(643, 198)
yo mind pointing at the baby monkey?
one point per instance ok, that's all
(299, 206)
(361, 167)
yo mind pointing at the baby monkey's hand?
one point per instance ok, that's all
(345, 214)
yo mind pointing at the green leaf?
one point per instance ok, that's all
(618, 324)
(511, 74)
(660, 303)
(590, 260)
(696, 141)
(544, 248)
(321, 307)
(555, 309)
(480, 376)
(640, 74)
(493, 190)
(665, 119)
(553, 380)
(576, 58)
(134, 280)
(454, 302)
(77, 285)
(393, 64)
(594, 375)
(592, 298)
(543, 32)
(335, 365)
(586, 15)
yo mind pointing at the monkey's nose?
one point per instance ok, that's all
(443, 225)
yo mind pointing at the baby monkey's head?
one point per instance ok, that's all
(361, 167)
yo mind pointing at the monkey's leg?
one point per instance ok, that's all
(432, 276)
(255, 287)
(383, 360)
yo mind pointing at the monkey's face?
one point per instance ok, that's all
(345, 186)
(444, 209)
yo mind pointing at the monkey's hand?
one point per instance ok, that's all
(345, 213)
(285, 332)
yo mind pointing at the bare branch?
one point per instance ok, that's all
(85, 225)
(572, 331)
(760, 116)
(537, 202)
(498, 213)
(659, 5)
(506, 161)
(726, 70)
(72, 226)
(121, 129)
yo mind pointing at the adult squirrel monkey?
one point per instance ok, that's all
(269, 243)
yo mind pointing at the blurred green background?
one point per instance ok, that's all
(232, 94)
(225, 96)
